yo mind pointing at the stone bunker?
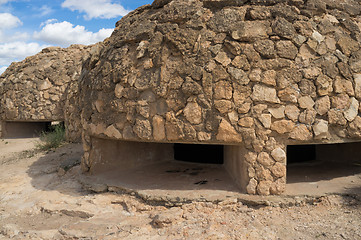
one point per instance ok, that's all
(250, 76)
(40, 90)
(235, 93)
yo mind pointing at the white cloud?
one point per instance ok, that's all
(53, 20)
(17, 36)
(15, 51)
(9, 21)
(65, 33)
(44, 10)
(96, 8)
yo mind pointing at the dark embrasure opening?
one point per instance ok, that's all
(199, 153)
(301, 153)
(25, 129)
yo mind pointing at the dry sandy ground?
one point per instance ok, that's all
(41, 197)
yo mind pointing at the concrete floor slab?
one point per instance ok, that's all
(322, 178)
(183, 182)
(173, 179)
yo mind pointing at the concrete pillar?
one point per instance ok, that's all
(234, 163)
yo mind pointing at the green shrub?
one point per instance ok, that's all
(53, 138)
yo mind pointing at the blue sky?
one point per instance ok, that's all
(27, 26)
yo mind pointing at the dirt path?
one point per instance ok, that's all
(41, 197)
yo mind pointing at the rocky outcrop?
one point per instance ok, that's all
(43, 88)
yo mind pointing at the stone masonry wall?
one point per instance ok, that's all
(41, 87)
(257, 74)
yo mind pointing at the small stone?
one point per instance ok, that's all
(233, 117)
(44, 85)
(278, 186)
(311, 72)
(255, 75)
(269, 77)
(283, 28)
(277, 113)
(306, 53)
(292, 112)
(241, 62)
(142, 47)
(318, 37)
(306, 102)
(238, 75)
(331, 19)
(260, 13)
(223, 106)
(263, 188)
(118, 90)
(244, 108)
(264, 159)
(301, 133)
(283, 126)
(227, 133)
(324, 85)
(175, 82)
(348, 45)
(193, 113)
(357, 79)
(262, 93)
(355, 127)
(323, 105)
(279, 155)
(223, 90)
(286, 49)
(143, 129)
(223, 59)
(330, 43)
(278, 170)
(289, 94)
(250, 157)
(320, 129)
(308, 116)
(112, 132)
(352, 112)
(336, 117)
(252, 186)
(340, 102)
(266, 120)
(158, 128)
(191, 87)
(204, 136)
(307, 88)
(265, 48)
(263, 173)
(246, 122)
(251, 30)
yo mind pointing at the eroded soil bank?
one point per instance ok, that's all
(43, 196)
